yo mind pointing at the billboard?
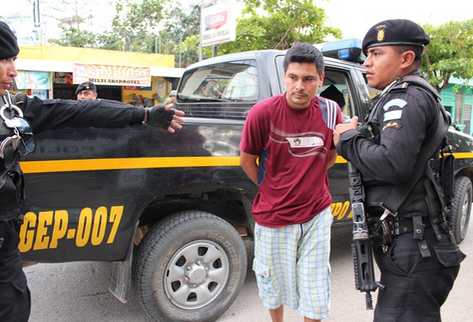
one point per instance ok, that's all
(218, 21)
(112, 75)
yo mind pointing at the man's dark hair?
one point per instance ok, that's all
(418, 51)
(304, 53)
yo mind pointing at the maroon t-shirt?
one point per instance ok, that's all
(293, 147)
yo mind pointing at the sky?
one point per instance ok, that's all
(353, 17)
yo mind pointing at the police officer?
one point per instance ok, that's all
(418, 259)
(86, 91)
(20, 117)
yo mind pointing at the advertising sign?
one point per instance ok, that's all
(218, 21)
(32, 80)
(112, 75)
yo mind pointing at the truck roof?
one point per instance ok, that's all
(264, 54)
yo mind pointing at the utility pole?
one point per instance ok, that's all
(37, 21)
(180, 51)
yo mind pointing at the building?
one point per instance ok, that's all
(457, 98)
(130, 77)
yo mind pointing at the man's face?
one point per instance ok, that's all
(302, 82)
(7, 74)
(86, 94)
(382, 66)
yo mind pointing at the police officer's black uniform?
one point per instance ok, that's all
(17, 125)
(419, 265)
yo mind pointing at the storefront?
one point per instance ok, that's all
(136, 78)
(457, 98)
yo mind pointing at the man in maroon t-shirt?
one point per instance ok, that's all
(286, 148)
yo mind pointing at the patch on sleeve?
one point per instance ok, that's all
(397, 102)
(392, 115)
(391, 125)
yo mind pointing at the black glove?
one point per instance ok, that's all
(158, 116)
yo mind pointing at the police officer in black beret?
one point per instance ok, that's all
(20, 118)
(86, 91)
(406, 127)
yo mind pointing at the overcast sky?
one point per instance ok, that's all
(353, 17)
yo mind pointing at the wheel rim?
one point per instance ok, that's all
(465, 214)
(196, 274)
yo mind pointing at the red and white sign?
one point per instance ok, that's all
(218, 21)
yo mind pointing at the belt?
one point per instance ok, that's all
(405, 225)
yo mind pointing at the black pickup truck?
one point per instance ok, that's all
(173, 212)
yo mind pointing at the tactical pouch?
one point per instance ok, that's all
(8, 192)
(447, 176)
(449, 255)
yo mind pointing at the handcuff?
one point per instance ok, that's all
(22, 138)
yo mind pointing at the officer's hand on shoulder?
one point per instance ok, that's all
(166, 117)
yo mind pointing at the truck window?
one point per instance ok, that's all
(336, 88)
(235, 81)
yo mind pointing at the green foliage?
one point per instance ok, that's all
(73, 35)
(283, 22)
(163, 26)
(135, 25)
(155, 26)
(450, 52)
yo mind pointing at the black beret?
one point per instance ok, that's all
(395, 32)
(86, 86)
(8, 44)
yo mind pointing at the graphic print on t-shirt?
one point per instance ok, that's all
(299, 144)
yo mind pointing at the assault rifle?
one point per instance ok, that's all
(361, 245)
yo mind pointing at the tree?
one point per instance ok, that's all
(449, 53)
(283, 22)
(73, 21)
(182, 30)
(135, 25)
(73, 35)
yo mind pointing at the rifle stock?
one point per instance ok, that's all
(361, 245)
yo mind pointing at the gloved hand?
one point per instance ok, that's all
(164, 117)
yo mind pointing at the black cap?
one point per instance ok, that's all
(8, 43)
(86, 86)
(395, 32)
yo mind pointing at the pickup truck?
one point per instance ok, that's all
(172, 213)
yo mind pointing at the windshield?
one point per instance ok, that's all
(230, 81)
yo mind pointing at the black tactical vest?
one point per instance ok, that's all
(393, 198)
(15, 133)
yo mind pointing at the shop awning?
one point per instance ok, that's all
(101, 74)
(167, 72)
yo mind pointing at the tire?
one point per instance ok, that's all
(189, 268)
(461, 208)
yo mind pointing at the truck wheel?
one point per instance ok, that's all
(461, 208)
(190, 267)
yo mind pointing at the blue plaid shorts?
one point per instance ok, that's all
(292, 266)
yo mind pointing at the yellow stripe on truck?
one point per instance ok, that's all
(463, 155)
(127, 163)
(149, 163)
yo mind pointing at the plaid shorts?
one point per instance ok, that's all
(292, 266)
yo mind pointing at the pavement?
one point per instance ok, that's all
(78, 292)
